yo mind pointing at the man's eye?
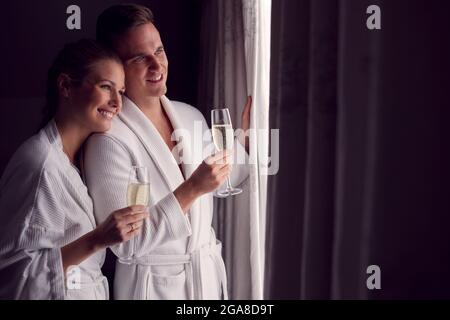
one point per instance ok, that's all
(160, 50)
(139, 59)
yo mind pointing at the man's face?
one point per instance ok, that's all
(145, 62)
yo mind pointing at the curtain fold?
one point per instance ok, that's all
(238, 39)
(257, 14)
(320, 155)
(364, 154)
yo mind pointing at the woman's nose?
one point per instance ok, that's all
(115, 99)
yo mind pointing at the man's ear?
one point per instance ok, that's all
(63, 82)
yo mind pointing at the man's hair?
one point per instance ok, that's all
(118, 19)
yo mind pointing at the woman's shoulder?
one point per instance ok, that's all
(22, 176)
(32, 153)
(34, 156)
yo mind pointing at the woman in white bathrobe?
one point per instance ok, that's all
(50, 247)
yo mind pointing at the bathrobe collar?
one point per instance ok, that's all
(154, 144)
(85, 202)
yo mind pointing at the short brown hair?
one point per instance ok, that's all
(118, 19)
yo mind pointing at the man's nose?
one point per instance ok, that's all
(153, 64)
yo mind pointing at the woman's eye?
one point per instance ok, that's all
(106, 87)
(121, 92)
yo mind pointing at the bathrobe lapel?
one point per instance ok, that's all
(184, 135)
(153, 143)
(79, 193)
(158, 150)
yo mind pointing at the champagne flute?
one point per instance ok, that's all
(223, 137)
(138, 193)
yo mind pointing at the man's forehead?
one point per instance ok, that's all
(140, 39)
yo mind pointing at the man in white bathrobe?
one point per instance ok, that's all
(177, 255)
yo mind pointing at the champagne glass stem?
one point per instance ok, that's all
(229, 187)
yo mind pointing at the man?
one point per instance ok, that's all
(176, 256)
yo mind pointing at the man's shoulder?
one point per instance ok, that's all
(119, 133)
(187, 111)
(118, 128)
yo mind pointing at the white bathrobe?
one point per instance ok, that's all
(176, 256)
(44, 205)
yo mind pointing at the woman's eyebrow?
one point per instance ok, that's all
(107, 80)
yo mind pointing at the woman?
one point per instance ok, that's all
(46, 214)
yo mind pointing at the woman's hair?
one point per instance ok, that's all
(118, 19)
(76, 60)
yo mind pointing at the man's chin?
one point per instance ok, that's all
(158, 93)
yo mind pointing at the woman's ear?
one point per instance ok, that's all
(63, 83)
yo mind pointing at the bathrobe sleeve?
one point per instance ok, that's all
(240, 171)
(31, 263)
(106, 166)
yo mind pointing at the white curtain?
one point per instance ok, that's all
(241, 68)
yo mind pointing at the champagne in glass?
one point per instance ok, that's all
(138, 193)
(223, 137)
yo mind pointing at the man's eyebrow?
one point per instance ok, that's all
(141, 54)
(135, 55)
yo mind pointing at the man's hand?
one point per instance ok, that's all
(245, 120)
(212, 172)
(208, 176)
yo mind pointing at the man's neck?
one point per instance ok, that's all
(154, 111)
(150, 106)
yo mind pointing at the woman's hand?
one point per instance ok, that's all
(120, 226)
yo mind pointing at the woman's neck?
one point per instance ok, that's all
(72, 137)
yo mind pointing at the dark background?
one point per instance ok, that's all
(364, 150)
(32, 32)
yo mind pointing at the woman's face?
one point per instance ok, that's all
(98, 98)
